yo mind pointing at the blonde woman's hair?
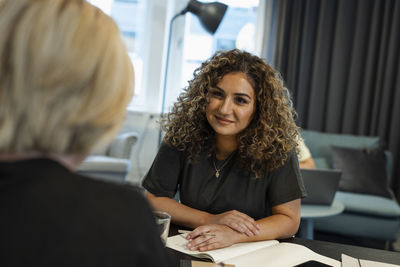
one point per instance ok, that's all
(65, 76)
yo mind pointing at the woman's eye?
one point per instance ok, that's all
(241, 100)
(216, 94)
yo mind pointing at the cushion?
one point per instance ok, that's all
(319, 142)
(368, 204)
(363, 170)
(359, 225)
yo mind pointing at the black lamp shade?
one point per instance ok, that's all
(209, 14)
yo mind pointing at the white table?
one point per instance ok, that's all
(309, 212)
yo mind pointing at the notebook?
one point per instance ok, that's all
(321, 185)
(255, 254)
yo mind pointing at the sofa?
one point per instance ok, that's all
(111, 163)
(366, 215)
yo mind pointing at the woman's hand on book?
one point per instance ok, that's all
(236, 220)
(212, 236)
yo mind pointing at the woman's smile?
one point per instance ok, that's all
(223, 121)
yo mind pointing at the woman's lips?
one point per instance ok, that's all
(223, 121)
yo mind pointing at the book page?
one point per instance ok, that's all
(367, 263)
(178, 242)
(281, 255)
(348, 261)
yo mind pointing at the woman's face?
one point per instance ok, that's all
(231, 104)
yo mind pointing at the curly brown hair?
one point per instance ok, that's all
(271, 135)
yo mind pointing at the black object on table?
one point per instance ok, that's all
(328, 249)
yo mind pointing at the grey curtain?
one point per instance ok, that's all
(341, 60)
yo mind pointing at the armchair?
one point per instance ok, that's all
(113, 162)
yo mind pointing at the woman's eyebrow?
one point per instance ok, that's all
(236, 94)
(243, 94)
(219, 88)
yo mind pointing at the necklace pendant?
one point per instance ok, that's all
(217, 174)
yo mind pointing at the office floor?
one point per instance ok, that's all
(396, 245)
(356, 241)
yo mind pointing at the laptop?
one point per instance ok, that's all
(321, 185)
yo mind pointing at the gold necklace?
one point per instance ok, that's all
(217, 171)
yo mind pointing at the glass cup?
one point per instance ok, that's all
(163, 221)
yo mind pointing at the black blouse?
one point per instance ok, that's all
(199, 187)
(51, 216)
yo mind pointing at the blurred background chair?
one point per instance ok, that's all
(111, 163)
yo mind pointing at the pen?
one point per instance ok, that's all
(187, 232)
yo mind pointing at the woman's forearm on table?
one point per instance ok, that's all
(283, 223)
(180, 213)
(273, 227)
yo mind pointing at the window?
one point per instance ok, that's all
(130, 16)
(127, 1)
(144, 27)
(235, 31)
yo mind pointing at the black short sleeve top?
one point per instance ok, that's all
(234, 189)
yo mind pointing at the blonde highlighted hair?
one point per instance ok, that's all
(65, 76)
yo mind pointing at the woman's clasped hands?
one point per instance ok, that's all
(222, 230)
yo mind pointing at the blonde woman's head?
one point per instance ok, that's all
(65, 76)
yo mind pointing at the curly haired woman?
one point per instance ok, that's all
(230, 151)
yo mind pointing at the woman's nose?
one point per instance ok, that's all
(225, 106)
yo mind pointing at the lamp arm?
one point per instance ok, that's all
(166, 71)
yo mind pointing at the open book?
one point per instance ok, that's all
(261, 253)
(179, 242)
